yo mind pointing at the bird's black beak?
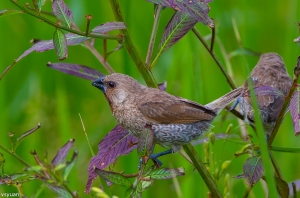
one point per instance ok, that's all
(99, 84)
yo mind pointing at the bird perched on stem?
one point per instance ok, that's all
(174, 121)
(271, 84)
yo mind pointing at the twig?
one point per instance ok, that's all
(229, 80)
(153, 34)
(212, 39)
(189, 149)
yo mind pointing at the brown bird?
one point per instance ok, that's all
(271, 83)
(174, 121)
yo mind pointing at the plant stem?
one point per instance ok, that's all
(229, 80)
(153, 34)
(54, 24)
(15, 156)
(132, 51)
(189, 149)
(285, 104)
(213, 34)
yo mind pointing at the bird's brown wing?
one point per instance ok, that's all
(167, 110)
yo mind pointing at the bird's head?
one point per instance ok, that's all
(118, 87)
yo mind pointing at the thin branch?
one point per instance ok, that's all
(229, 80)
(213, 34)
(153, 34)
(189, 149)
(285, 104)
(54, 24)
(131, 49)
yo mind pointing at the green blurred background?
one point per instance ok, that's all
(31, 93)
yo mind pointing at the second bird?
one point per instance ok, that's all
(174, 121)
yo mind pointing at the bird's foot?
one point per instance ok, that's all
(235, 104)
(154, 157)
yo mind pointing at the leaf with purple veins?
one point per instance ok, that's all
(176, 29)
(104, 28)
(197, 9)
(117, 142)
(253, 170)
(295, 111)
(60, 44)
(80, 71)
(62, 153)
(62, 13)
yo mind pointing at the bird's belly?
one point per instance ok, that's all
(170, 134)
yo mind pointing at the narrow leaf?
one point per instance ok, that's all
(104, 28)
(282, 188)
(70, 165)
(176, 29)
(115, 178)
(27, 133)
(145, 145)
(117, 142)
(40, 4)
(295, 111)
(8, 12)
(61, 192)
(165, 173)
(62, 153)
(194, 8)
(76, 70)
(62, 13)
(2, 163)
(60, 44)
(253, 170)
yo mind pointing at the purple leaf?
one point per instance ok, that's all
(117, 142)
(253, 170)
(76, 70)
(177, 27)
(62, 153)
(265, 90)
(295, 111)
(72, 39)
(162, 86)
(7, 12)
(62, 13)
(60, 44)
(198, 9)
(297, 185)
(104, 28)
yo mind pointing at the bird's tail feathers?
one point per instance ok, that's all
(220, 103)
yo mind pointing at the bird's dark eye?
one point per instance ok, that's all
(111, 84)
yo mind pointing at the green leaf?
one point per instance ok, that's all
(145, 144)
(60, 44)
(9, 12)
(113, 177)
(70, 165)
(40, 4)
(165, 173)
(253, 170)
